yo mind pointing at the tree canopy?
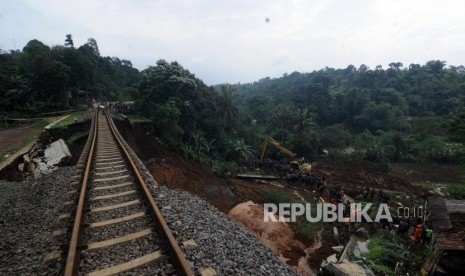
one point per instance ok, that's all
(412, 112)
(41, 78)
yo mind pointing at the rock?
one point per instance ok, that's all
(26, 158)
(30, 167)
(209, 271)
(56, 153)
(189, 243)
(332, 259)
(34, 154)
(21, 167)
(35, 174)
(33, 148)
(362, 233)
(44, 169)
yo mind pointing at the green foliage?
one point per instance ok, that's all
(76, 136)
(66, 122)
(136, 119)
(386, 249)
(305, 230)
(244, 151)
(271, 195)
(41, 79)
(456, 191)
(402, 113)
(185, 111)
(336, 137)
(225, 168)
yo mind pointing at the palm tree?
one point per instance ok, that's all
(245, 151)
(226, 108)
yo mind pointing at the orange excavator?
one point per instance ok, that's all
(294, 165)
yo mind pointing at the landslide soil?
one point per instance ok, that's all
(177, 172)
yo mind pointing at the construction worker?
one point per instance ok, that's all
(341, 195)
(428, 235)
(417, 234)
(366, 192)
(322, 187)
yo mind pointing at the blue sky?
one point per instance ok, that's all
(231, 41)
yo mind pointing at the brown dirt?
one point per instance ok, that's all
(436, 173)
(11, 173)
(12, 138)
(354, 176)
(276, 235)
(175, 171)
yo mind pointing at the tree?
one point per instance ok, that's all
(396, 65)
(354, 102)
(244, 151)
(92, 43)
(435, 66)
(69, 40)
(226, 108)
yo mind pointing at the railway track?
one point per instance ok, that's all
(118, 229)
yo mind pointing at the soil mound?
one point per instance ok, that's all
(278, 236)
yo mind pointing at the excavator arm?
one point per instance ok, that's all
(269, 140)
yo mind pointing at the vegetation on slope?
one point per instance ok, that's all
(412, 113)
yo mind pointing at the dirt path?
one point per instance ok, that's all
(12, 138)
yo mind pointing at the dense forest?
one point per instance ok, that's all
(393, 114)
(401, 113)
(42, 79)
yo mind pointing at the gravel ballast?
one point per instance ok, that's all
(28, 215)
(221, 243)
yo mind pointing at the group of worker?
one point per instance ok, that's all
(422, 234)
(369, 194)
(103, 108)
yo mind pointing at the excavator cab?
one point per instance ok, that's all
(294, 167)
(306, 167)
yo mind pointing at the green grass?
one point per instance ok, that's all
(274, 196)
(137, 119)
(66, 122)
(76, 136)
(454, 191)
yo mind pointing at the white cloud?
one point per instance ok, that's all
(230, 41)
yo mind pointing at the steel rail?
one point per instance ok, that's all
(72, 261)
(178, 255)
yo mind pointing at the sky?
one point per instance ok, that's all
(245, 40)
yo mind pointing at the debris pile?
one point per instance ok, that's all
(42, 160)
